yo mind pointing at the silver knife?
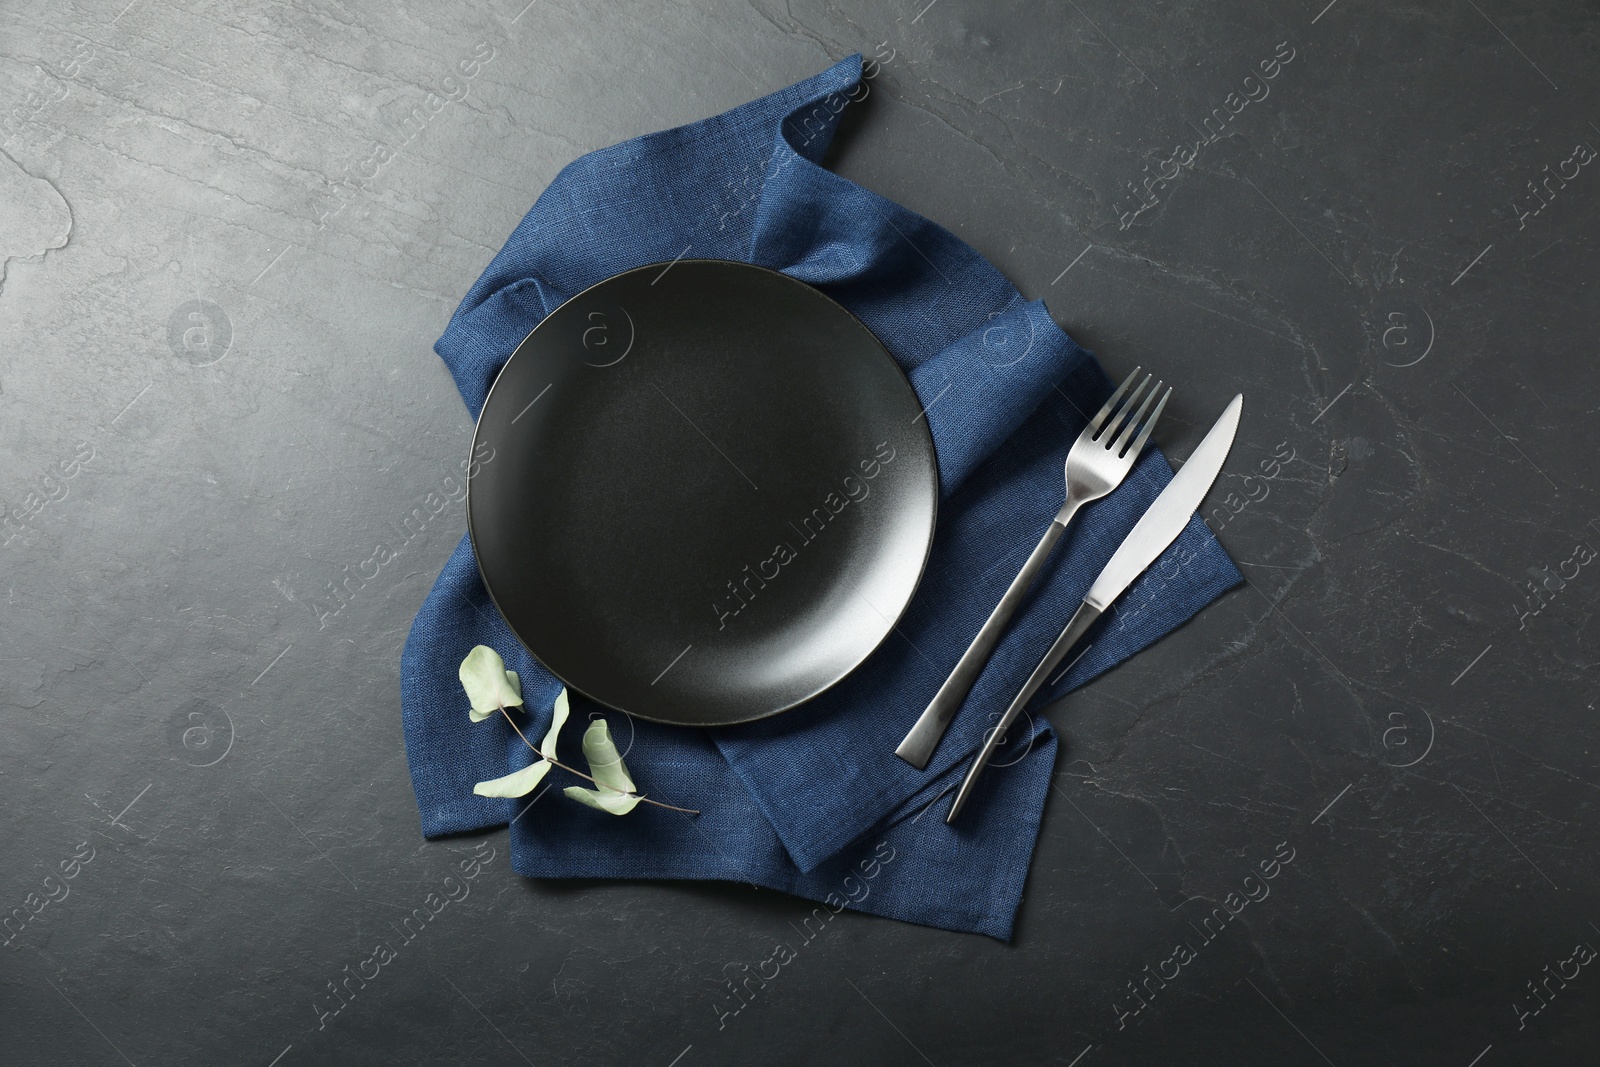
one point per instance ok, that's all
(1155, 530)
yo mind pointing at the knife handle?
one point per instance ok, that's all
(1081, 620)
(923, 738)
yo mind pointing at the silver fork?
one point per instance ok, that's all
(1098, 462)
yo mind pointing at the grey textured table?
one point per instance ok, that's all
(232, 232)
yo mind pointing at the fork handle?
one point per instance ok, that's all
(917, 748)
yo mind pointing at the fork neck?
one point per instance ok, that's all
(1069, 509)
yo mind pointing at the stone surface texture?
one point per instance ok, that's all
(230, 233)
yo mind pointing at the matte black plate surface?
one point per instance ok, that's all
(710, 495)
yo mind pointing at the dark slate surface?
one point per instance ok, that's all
(217, 397)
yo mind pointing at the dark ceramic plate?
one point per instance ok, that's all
(710, 492)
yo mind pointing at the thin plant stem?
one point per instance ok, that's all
(580, 774)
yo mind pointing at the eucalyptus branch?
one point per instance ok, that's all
(580, 774)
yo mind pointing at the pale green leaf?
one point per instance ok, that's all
(605, 800)
(604, 761)
(558, 718)
(489, 685)
(516, 784)
(516, 687)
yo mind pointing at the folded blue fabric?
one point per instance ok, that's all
(813, 802)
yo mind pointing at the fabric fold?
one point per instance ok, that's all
(812, 801)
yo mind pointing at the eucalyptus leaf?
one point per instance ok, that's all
(604, 761)
(605, 800)
(516, 784)
(558, 719)
(489, 685)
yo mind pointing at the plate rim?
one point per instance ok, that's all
(922, 565)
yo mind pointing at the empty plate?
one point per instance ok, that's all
(710, 492)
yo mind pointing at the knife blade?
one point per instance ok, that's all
(1160, 525)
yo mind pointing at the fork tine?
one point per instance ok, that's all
(1132, 424)
(1150, 424)
(1117, 420)
(1100, 416)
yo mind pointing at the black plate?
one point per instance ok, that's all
(710, 495)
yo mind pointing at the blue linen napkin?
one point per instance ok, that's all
(813, 802)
